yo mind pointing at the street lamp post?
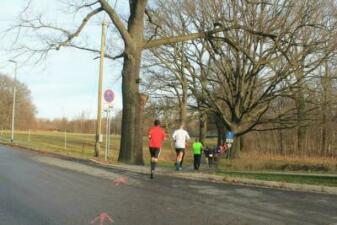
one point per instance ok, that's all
(14, 98)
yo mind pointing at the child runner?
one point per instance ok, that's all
(197, 148)
(156, 138)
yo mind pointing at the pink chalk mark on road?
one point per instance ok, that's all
(102, 218)
(120, 180)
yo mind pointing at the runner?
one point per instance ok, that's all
(197, 152)
(156, 138)
(180, 138)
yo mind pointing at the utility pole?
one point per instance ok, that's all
(14, 98)
(100, 88)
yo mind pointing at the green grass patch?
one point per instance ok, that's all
(249, 165)
(286, 178)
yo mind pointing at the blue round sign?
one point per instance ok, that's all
(109, 95)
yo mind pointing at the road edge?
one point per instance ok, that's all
(199, 176)
(233, 180)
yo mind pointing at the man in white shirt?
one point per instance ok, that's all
(180, 138)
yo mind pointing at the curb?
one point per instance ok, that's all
(190, 175)
(228, 179)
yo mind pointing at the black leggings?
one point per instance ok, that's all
(197, 160)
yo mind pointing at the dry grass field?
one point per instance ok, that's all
(82, 146)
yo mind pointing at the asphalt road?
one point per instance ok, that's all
(36, 193)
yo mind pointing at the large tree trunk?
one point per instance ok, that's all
(220, 129)
(202, 126)
(130, 90)
(300, 105)
(301, 129)
(140, 121)
(183, 105)
(236, 148)
(325, 105)
(132, 133)
(280, 146)
(242, 143)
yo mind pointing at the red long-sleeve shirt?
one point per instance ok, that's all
(156, 137)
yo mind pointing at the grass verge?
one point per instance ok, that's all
(286, 178)
(82, 146)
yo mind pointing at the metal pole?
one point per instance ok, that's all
(108, 132)
(14, 98)
(106, 136)
(100, 87)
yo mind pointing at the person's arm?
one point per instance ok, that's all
(187, 138)
(149, 133)
(164, 135)
(174, 136)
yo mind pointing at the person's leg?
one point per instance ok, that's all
(195, 162)
(182, 159)
(177, 154)
(179, 158)
(154, 158)
(210, 159)
(152, 152)
(198, 161)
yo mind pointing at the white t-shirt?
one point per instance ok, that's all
(180, 136)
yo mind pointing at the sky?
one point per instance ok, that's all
(66, 83)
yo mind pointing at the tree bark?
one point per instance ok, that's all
(183, 104)
(280, 146)
(236, 148)
(301, 130)
(221, 131)
(132, 135)
(325, 106)
(140, 122)
(202, 127)
(130, 90)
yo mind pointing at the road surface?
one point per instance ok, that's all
(35, 192)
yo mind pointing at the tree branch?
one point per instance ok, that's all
(116, 21)
(79, 29)
(106, 55)
(193, 36)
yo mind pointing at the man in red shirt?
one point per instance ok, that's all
(156, 138)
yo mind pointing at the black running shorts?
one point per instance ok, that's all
(178, 150)
(154, 152)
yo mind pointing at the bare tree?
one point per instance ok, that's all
(279, 44)
(132, 34)
(25, 109)
(253, 54)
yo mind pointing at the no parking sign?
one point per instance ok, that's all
(109, 97)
